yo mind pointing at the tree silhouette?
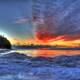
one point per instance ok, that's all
(4, 43)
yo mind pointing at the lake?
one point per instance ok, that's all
(48, 53)
(39, 64)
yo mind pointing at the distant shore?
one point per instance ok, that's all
(44, 47)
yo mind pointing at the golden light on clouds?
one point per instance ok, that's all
(60, 43)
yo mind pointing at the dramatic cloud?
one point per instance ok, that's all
(60, 17)
(72, 37)
(53, 19)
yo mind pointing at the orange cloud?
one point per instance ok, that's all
(64, 40)
(72, 37)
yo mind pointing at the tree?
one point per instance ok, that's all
(4, 43)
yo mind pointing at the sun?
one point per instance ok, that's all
(4, 34)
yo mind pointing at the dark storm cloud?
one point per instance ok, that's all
(62, 16)
(69, 17)
(70, 20)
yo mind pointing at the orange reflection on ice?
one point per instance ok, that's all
(52, 53)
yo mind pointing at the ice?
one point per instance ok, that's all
(15, 66)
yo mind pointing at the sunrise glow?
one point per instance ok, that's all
(60, 41)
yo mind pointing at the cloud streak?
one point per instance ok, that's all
(22, 20)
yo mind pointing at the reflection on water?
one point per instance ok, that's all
(48, 53)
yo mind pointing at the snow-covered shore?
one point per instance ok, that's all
(15, 66)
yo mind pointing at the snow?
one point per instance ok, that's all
(26, 68)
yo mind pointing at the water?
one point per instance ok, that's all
(48, 53)
(39, 65)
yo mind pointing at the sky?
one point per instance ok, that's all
(10, 12)
(18, 20)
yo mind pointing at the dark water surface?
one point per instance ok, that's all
(32, 65)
